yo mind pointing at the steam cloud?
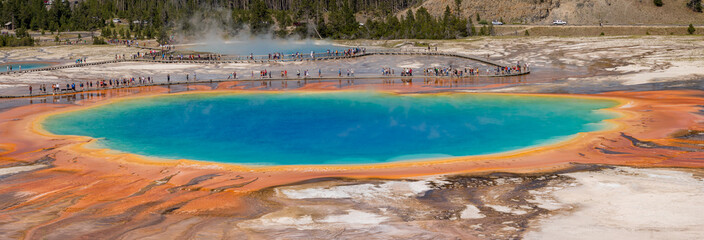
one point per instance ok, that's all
(212, 31)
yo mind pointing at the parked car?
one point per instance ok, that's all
(559, 22)
(116, 20)
(497, 23)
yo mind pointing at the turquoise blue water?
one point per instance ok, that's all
(266, 46)
(25, 66)
(329, 128)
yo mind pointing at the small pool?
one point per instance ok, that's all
(17, 66)
(294, 128)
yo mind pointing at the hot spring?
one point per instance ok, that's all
(294, 128)
(16, 66)
(266, 46)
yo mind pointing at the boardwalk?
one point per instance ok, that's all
(266, 59)
(328, 57)
(406, 79)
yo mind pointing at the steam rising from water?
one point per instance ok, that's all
(213, 31)
(263, 46)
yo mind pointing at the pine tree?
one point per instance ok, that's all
(458, 3)
(472, 31)
(106, 32)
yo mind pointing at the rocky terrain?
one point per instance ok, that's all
(575, 12)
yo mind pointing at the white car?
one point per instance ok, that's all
(559, 22)
(497, 23)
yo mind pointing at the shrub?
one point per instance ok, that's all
(527, 34)
(21, 32)
(602, 34)
(106, 32)
(695, 5)
(691, 29)
(658, 3)
(483, 31)
(99, 41)
(13, 41)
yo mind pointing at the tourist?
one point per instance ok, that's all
(30, 89)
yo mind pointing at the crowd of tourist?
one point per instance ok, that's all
(92, 85)
(81, 60)
(508, 70)
(470, 71)
(298, 55)
(387, 71)
(405, 72)
(164, 54)
(450, 71)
